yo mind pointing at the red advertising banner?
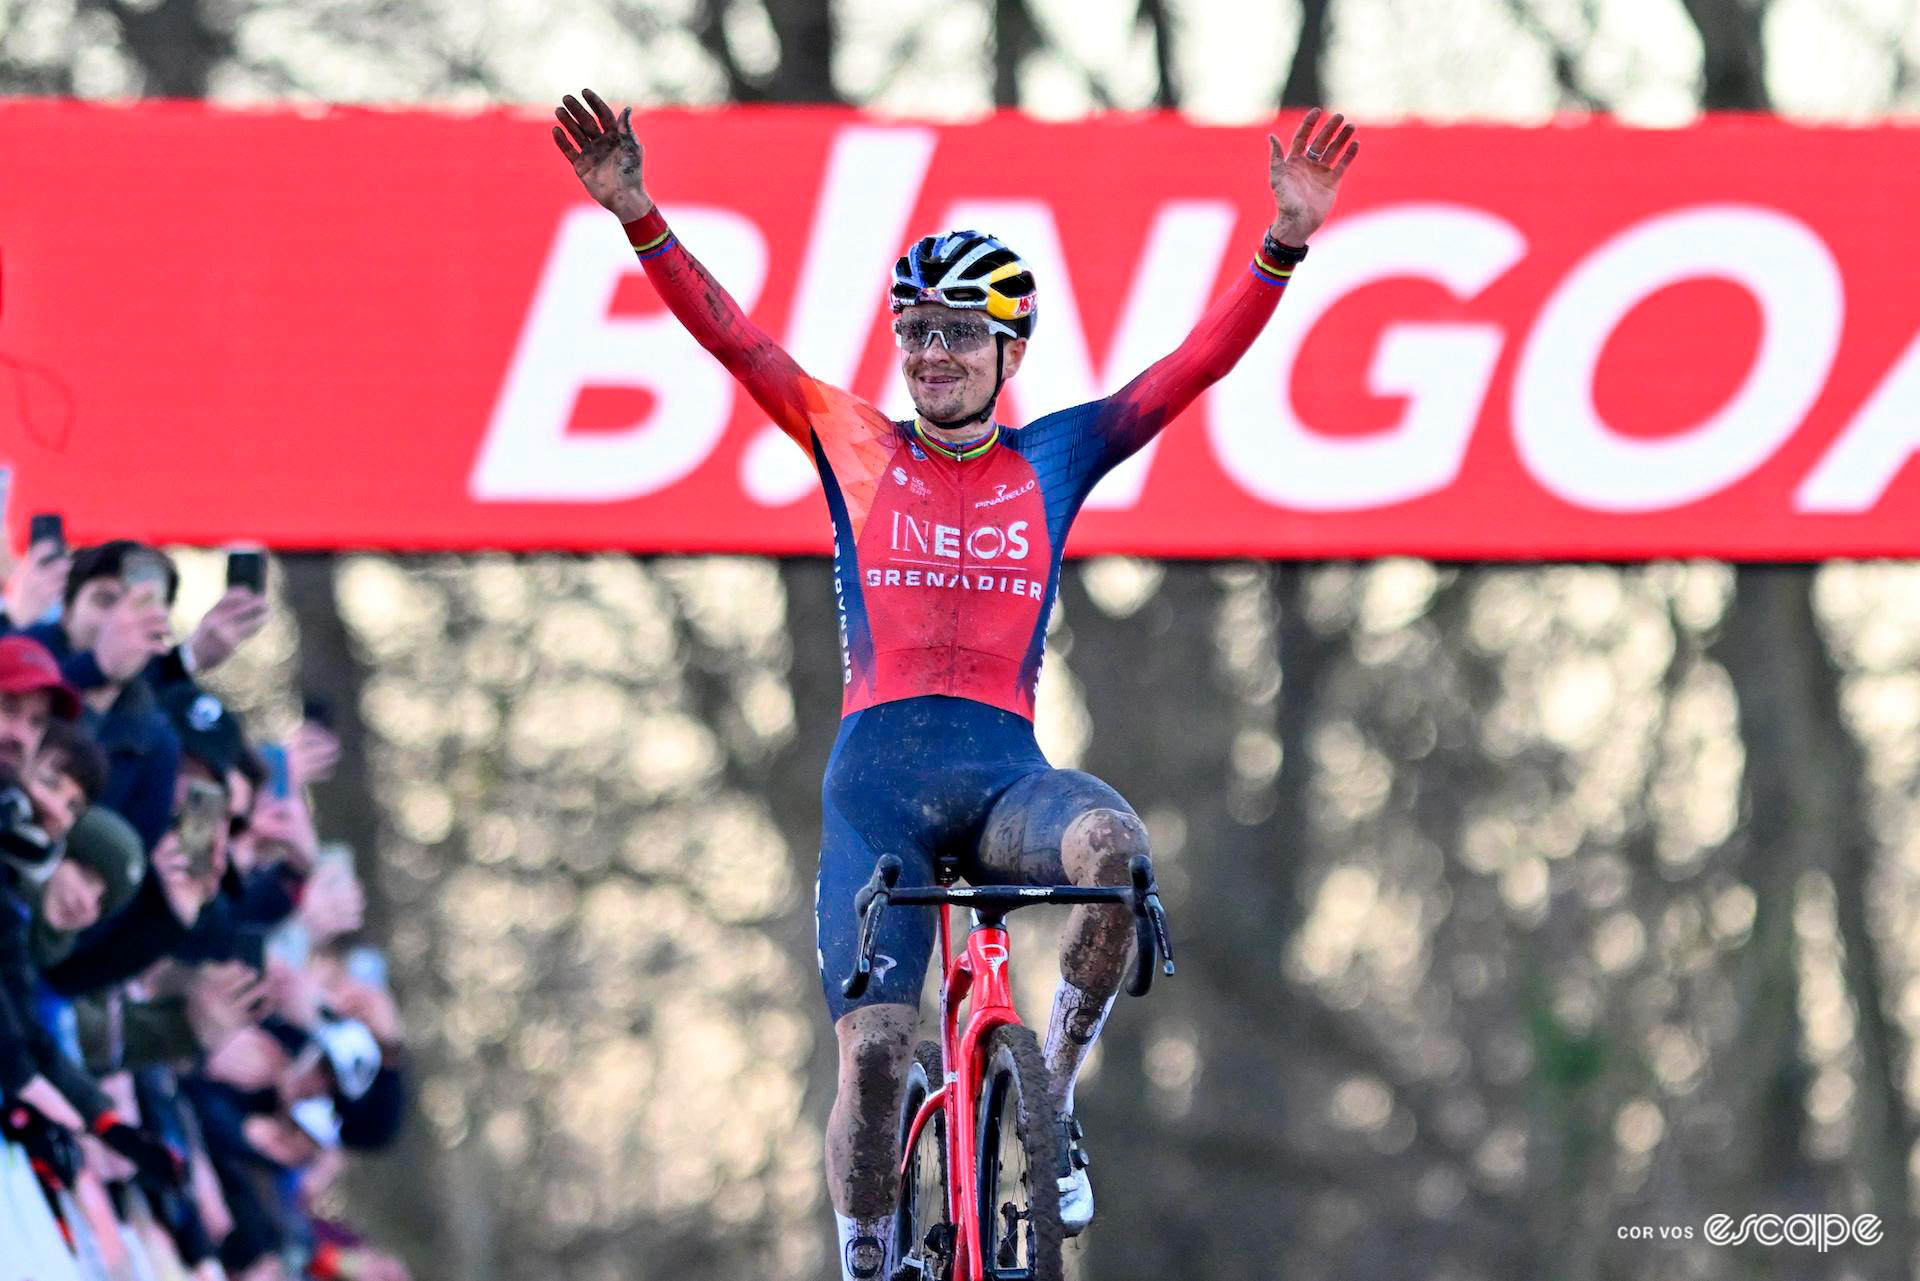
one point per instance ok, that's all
(354, 328)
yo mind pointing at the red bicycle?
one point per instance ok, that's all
(981, 1146)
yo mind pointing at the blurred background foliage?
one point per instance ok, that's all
(1517, 905)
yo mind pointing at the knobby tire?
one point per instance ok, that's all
(923, 1190)
(1019, 1160)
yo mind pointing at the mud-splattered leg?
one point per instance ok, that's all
(1097, 944)
(863, 1138)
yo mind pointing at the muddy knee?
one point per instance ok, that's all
(862, 1135)
(1098, 845)
(1097, 944)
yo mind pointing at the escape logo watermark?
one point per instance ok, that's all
(1821, 1232)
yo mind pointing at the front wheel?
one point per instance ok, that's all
(1019, 1161)
(922, 1236)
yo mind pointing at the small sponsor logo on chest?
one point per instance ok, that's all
(1006, 494)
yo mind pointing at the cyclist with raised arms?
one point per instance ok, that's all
(947, 538)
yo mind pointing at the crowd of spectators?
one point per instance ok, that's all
(192, 1037)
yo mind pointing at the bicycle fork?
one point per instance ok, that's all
(984, 974)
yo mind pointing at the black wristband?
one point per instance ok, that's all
(1281, 255)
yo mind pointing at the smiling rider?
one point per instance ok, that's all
(947, 536)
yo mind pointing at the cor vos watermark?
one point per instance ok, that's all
(1820, 1232)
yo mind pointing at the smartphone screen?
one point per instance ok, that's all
(247, 569)
(47, 529)
(200, 819)
(279, 781)
(145, 570)
(318, 709)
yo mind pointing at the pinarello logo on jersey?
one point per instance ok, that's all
(1002, 494)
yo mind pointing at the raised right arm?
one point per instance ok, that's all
(606, 157)
(772, 377)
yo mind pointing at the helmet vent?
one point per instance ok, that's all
(990, 262)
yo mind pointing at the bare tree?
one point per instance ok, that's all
(176, 43)
(1304, 86)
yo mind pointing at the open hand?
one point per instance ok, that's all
(607, 161)
(282, 828)
(37, 583)
(333, 902)
(1306, 174)
(225, 998)
(312, 752)
(235, 618)
(186, 893)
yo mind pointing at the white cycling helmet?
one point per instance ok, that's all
(971, 271)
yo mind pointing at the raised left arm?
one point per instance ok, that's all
(1304, 177)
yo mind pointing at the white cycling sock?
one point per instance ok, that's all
(866, 1247)
(1078, 1016)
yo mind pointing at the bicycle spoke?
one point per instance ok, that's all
(923, 1238)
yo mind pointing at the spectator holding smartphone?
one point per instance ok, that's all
(38, 582)
(65, 777)
(114, 643)
(34, 1069)
(114, 627)
(235, 618)
(132, 975)
(186, 908)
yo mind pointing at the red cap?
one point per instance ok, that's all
(25, 665)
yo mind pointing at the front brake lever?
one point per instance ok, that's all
(1158, 915)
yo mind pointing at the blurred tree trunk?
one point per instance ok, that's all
(1154, 14)
(1808, 813)
(710, 28)
(175, 43)
(1733, 65)
(807, 35)
(330, 668)
(388, 1189)
(1804, 784)
(1186, 1114)
(793, 796)
(807, 38)
(1304, 86)
(1015, 39)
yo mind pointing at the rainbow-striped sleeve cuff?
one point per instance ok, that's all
(1272, 273)
(649, 236)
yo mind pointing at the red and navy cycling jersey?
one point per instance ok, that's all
(946, 567)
